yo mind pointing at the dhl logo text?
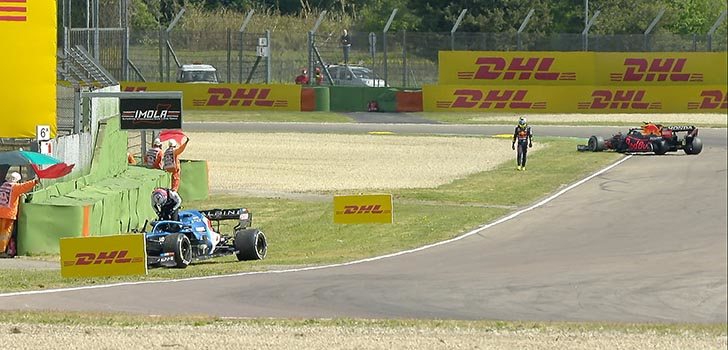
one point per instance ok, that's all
(363, 209)
(657, 69)
(112, 257)
(518, 68)
(239, 97)
(619, 99)
(134, 88)
(712, 99)
(495, 99)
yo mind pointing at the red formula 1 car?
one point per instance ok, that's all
(650, 137)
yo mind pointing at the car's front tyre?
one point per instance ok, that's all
(180, 246)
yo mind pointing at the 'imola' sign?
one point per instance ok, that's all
(151, 113)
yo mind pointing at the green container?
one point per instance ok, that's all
(322, 98)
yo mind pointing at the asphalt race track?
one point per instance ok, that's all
(644, 241)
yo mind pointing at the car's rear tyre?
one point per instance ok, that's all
(250, 244)
(660, 147)
(694, 147)
(596, 144)
(179, 244)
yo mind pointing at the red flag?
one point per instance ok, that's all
(177, 135)
(54, 171)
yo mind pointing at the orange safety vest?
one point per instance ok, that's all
(153, 158)
(9, 195)
(171, 158)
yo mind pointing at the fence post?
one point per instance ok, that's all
(241, 32)
(523, 26)
(125, 55)
(384, 43)
(585, 33)
(161, 54)
(649, 28)
(404, 58)
(267, 57)
(455, 28)
(714, 28)
(229, 38)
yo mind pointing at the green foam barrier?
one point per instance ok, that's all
(322, 97)
(194, 181)
(58, 222)
(356, 98)
(116, 195)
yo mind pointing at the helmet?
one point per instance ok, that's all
(172, 143)
(318, 70)
(522, 121)
(157, 142)
(14, 177)
(159, 197)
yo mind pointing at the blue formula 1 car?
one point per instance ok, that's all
(193, 238)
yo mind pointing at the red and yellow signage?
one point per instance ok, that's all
(582, 68)
(103, 256)
(230, 97)
(363, 209)
(28, 57)
(575, 99)
(515, 68)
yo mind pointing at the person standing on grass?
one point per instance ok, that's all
(346, 45)
(171, 160)
(523, 136)
(10, 192)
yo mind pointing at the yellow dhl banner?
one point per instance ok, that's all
(363, 209)
(230, 97)
(28, 58)
(576, 99)
(582, 68)
(515, 68)
(661, 68)
(103, 256)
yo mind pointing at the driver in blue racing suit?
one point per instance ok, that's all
(523, 135)
(166, 203)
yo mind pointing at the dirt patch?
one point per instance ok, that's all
(238, 336)
(288, 162)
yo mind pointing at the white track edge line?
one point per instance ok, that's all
(465, 235)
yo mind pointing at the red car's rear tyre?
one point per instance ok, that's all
(694, 147)
(596, 144)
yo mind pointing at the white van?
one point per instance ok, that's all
(197, 73)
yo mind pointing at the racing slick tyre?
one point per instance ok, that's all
(694, 147)
(250, 244)
(179, 244)
(596, 144)
(660, 147)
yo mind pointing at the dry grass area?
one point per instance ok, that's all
(288, 162)
(314, 337)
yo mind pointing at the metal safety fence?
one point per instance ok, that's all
(403, 59)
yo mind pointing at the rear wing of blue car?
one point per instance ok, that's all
(242, 214)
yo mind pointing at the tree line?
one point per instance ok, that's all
(492, 16)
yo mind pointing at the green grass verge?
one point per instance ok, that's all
(447, 118)
(264, 116)
(302, 233)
